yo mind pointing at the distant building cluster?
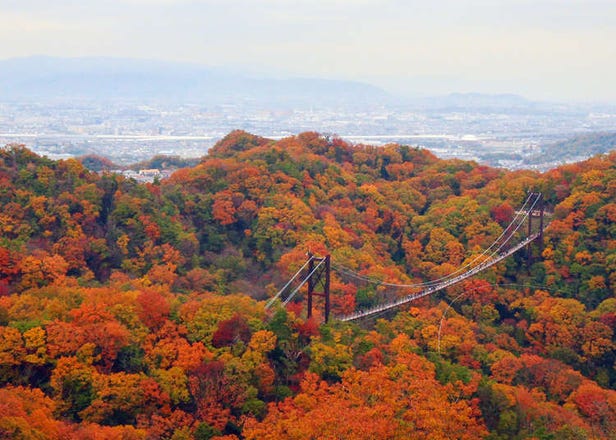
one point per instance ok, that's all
(144, 176)
(129, 133)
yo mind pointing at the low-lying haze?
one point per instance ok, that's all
(541, 49)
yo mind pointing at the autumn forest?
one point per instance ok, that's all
(137, 311)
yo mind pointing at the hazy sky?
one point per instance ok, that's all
(546, 49)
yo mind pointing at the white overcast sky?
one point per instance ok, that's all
(542, 49)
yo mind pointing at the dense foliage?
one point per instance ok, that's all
(136, 311)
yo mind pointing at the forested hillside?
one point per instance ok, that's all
(570, 150)
(137, 311)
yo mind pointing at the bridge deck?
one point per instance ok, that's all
(431, 290)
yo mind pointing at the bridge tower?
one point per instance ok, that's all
(319, 279)
(535, 213)
(316, 274)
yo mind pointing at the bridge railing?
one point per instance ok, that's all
(433, 289)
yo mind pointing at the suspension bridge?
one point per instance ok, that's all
(316, 271)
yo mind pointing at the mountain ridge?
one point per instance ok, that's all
(48, 77)
(103, 78)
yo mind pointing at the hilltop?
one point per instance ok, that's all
(137, 310)
(574, 149)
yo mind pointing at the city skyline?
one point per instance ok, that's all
(560, 50)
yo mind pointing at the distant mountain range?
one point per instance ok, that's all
(43, 78)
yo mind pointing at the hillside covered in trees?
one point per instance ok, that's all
(132, 311)
(570, 150)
